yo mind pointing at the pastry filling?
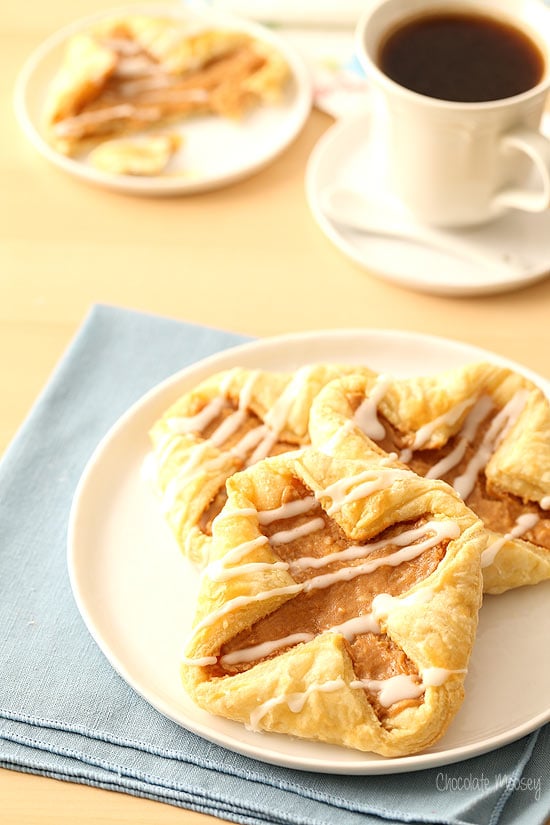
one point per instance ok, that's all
(339, 586)
(461, 462)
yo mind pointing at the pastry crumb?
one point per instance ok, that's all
(141, 156)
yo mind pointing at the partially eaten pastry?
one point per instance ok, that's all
(128, 74)
(483, 429)
(340, 602)
(229, 421)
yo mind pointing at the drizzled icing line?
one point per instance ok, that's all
(501, 424)
(523, 524)
(256, 443)
(441, 530)
(370, 481)
(388, 691)
(357, 551)
(366, 415)
(383, 604)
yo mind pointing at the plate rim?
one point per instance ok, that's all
(331, 137)
(358, 763)
(159, 185)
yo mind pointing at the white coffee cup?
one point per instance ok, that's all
(451, 163)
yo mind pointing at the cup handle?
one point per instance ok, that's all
(537, 148)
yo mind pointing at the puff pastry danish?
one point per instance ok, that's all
(485, 430)
(340, 602)
(129, 74)
(229, 421)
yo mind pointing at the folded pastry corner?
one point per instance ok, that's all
(340, 603)
(229, 421)
(483, 429)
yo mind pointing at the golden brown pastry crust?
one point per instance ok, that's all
(518, 465)
(316, 678)
(191, 468)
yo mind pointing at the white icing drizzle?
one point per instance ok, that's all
(545, 503)
(471, 425)
(368, 482)
(366, 415)
(199, 661)
(329, 447)
(405, 686)
(384, 603)
(295, 701)
(441, 530)
(358, 551)
(249, 441)
(392, 690)
(276, 418)
(382, 606)
(191, 468)
(286, 536)
(229, 512)
(197, 423)
(368, 623)
(234, 421)
(218, 572)
(501, 424)
(523, 523)
(235, 555)
(250, 654)
(120, 111)
(258, 441)
(241, 601)
(423, 435)
(389, 691)
(287, 510)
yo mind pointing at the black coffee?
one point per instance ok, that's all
(462, 57)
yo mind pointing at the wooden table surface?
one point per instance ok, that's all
(247, 258)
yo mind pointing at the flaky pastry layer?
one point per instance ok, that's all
(391, 685)
(484, 429)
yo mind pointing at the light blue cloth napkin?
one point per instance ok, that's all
(65, 713)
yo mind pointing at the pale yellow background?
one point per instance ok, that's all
(248, 258)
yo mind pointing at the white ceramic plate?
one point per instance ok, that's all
(346, 156)
(216, 151)
(136, 592)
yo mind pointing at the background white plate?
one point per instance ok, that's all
(346, 156)
(216, 151)
(136, 592)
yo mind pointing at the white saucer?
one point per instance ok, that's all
(345, 155)
(248, 144)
